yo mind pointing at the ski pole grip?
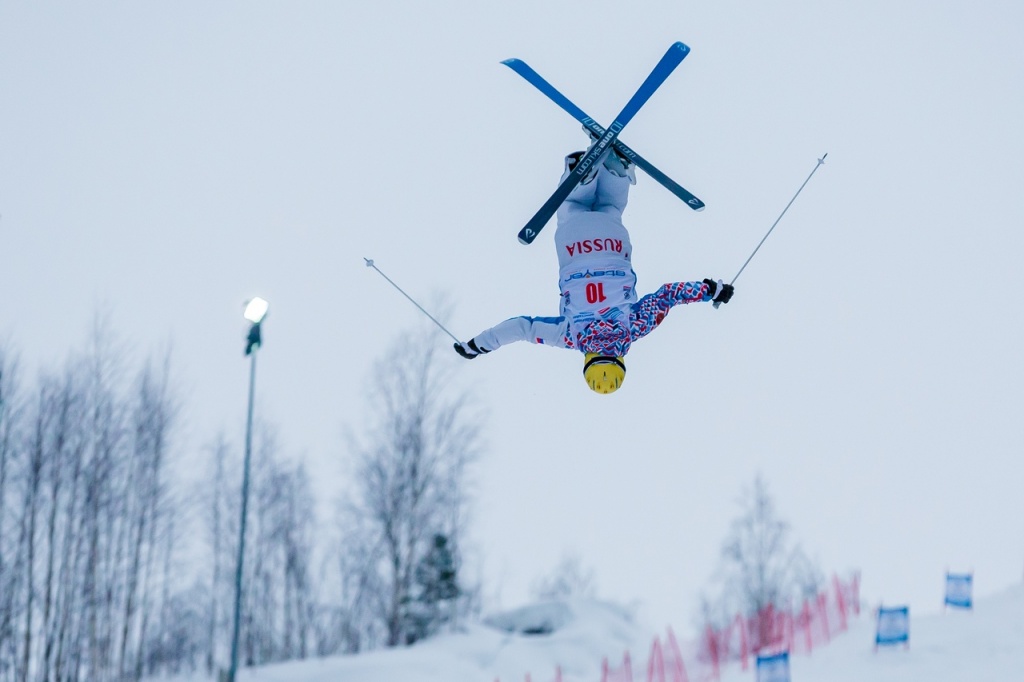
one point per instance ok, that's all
(716, 304)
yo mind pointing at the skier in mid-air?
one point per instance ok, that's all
(600, 314)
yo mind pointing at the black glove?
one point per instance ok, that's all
(469, 350)
(719, 291)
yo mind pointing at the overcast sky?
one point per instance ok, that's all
(166, 162)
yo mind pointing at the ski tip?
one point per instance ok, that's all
(511, 61)
(678, 45)
(700, 208)
(527, 235)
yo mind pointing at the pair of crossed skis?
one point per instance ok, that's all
(605, 137)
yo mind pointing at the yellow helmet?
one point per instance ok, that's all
(604, 374)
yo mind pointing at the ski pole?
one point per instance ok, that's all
(816, 167)
(369, 264)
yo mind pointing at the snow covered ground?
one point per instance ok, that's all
(974, 646)
(586, 632)
(983, 645)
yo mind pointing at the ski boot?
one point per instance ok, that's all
(615, 161)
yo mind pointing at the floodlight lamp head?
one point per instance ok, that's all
(256, 310)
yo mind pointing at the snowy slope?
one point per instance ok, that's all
(984, 644)
(584, 633)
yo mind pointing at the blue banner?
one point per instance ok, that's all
(893, 625)
(773, 668)
(959, 589)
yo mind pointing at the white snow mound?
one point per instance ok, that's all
(575, 635)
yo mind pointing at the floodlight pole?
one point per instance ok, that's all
(252, 345)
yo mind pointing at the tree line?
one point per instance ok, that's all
(115, 566)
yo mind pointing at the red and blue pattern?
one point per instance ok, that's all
(647, 313)
(614, 338)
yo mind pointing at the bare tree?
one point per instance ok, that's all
(152, 418)
(64, 453)
(91, 526)
(352, 626)
(279, 605)
(216, 536)
(102, 518)
(761, 567)
(296, 537)
(82, 470)
(411, 483)
(10, 417)
(31, 494)
(569, 579)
